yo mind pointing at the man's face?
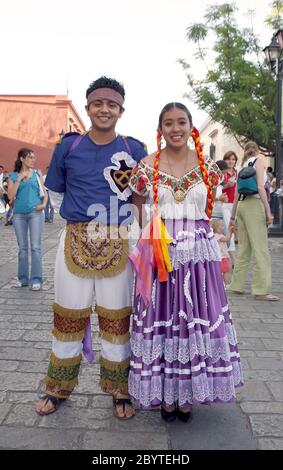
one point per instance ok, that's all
(104, 114)
(1, 170)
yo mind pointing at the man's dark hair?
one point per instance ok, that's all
(106, 82)
(269, 169)
(222, 164)
(1, 166)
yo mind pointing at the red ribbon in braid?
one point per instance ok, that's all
(155, 173)
(205, 176)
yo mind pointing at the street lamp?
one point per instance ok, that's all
(273, 54)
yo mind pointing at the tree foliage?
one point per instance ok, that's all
(275, 19)
(237, 90)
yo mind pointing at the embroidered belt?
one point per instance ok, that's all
(96, 250)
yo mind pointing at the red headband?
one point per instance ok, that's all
(105, 94)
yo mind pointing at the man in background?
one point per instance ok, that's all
(49, 210)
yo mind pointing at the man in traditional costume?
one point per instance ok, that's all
(92, 171)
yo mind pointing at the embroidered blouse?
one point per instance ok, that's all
(194, 204)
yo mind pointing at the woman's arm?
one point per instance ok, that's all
(13, 186)
(139, 211)
(227, 238)
(259, 167)
(229, 183)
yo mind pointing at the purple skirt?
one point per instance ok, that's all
(184, 345)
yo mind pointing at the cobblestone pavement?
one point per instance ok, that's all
(86, 420)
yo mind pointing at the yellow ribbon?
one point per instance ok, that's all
(164, 239)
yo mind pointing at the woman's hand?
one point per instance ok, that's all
(269, 218)
(232, 225)
(40, 208)
(223, 197)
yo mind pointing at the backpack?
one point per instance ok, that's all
(246, 182)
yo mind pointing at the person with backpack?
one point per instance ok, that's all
(253, 214)
(26, 194)
(92, 171)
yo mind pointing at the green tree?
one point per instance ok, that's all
(237, 89)
(275, 19)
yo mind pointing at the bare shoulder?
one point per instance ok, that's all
(149, 159)
(259, 163)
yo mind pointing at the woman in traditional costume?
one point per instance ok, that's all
(184, 346)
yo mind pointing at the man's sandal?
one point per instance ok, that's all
(122, 402)
(56, 402)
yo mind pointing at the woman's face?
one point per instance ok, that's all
(29, 161)
(232, 161)
(176, 128)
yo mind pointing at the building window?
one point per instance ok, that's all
(212, 151)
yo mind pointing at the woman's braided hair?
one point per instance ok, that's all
(201, 160)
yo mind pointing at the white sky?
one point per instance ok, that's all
(46, 45)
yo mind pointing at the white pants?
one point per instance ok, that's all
(73, 300)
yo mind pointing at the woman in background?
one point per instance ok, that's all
(25, 189)
(253, 217)
(229, 188)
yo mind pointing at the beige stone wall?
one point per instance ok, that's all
(214, 133)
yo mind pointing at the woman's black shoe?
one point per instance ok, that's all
(168, 416)
(184, 416)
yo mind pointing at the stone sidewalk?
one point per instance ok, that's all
(86, 420)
